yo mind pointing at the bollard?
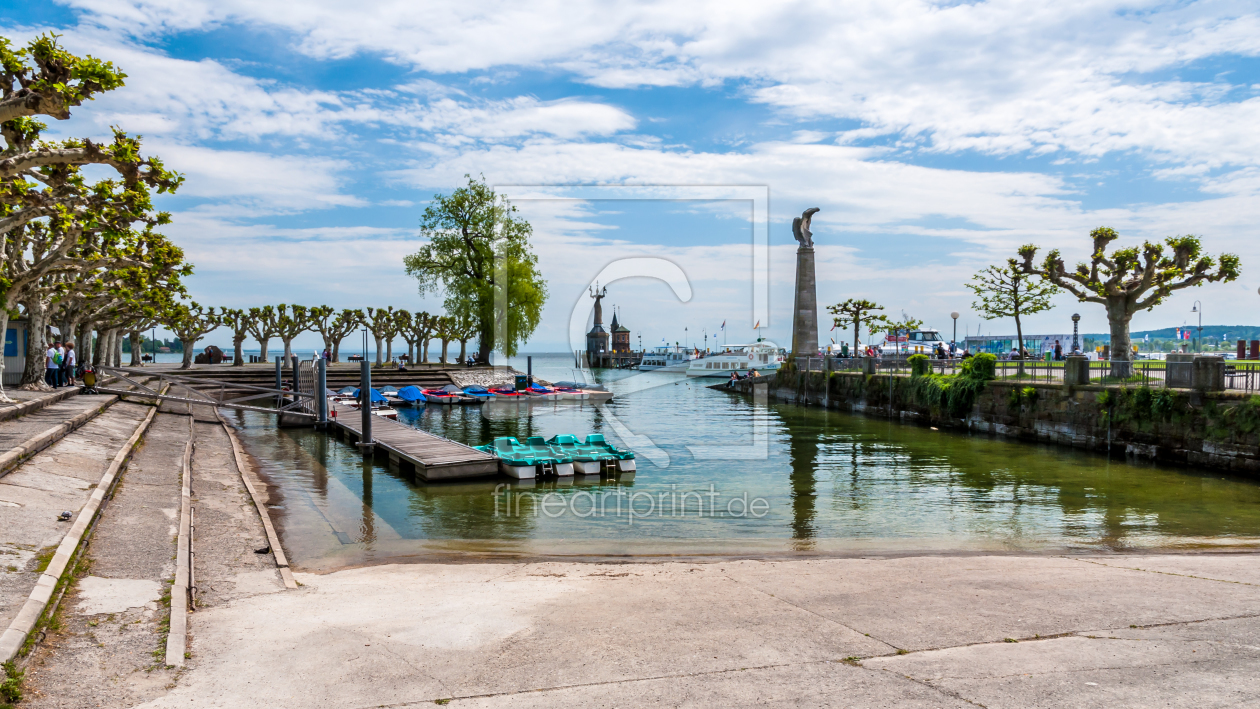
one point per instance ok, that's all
(1255, 350)
(1242, 349)
(321, 391)
(365, 405)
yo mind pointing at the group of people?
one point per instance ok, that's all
(60, 363)
(735, 377)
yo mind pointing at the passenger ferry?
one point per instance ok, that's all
(762, 355)
(913, 342)
(670, 359)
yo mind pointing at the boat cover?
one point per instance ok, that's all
(389, 390)
(376, 396)
(411, 393)
(452, 389)
(346, 391)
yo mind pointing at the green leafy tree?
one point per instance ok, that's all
(1130, 279)
(291, 321)
(444, 330)
(855, 312)
(478, 252)
(263, 326)
(380, 322)
(1008, 292)
(420, 332)
(335, 329)
(463, 328)
(190, 322)
(239, 322)
(52, 216)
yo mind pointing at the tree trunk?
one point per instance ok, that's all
(463, 350)
(1118, 317)
(288, 349)
(98, 349)
(36, 365)
(262, 348)
(445, 342)
(188, 353)
(135, 348)
(1019, 346)
(486, 343)
(238, 357)
(336, 351)
(424, 356)
(117, 350)
(378, 349)
(389, 350)
(857, 335)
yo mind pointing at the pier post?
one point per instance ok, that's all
(279, 378)
(321, 391)
(365, 405)
(529, 368)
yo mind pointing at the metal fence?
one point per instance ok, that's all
(1146, 373)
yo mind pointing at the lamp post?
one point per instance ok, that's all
(1198, 308)
(953, 343)
(1076, 342)
(364, 331)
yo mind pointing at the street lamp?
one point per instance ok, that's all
(953, 343)
(1198, 308)
(1076, 342)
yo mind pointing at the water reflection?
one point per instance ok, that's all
(832, 482)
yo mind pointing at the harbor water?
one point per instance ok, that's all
(719, 474)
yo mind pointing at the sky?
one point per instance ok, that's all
(935, 137)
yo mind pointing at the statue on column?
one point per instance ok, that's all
(800, 227)
(805, 307)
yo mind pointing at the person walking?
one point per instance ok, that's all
(68, 362)
(51, 365)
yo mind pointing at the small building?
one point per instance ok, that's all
(620, 335)
(1003, 344)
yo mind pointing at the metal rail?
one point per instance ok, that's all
(296, 407)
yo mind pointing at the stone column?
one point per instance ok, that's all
(1208, 373)
(805, 317)
(1075, 370)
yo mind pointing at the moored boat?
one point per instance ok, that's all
(761, 356)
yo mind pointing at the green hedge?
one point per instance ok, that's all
(919, 365)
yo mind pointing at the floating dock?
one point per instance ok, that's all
(432, 457)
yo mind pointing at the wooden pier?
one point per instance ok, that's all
(432, 457)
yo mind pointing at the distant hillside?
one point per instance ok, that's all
(1231, 332)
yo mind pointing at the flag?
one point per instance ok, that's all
(1178, 333)
(757, 326)
(723, 324)
(1187, 334)
(833, 327)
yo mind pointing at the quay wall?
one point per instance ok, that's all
(1217, 430)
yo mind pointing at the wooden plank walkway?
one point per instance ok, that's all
(433, 457)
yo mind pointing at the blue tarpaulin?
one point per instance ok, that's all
(376, 396)
(411, 394)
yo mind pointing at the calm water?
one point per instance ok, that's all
(724, 475)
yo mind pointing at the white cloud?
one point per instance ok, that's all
(240, 183)
(1000, 77)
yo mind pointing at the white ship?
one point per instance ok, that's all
(670, 359)
(762, 356)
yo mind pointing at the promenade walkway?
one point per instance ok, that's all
(934, 631)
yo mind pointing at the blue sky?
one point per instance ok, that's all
(936, 138)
